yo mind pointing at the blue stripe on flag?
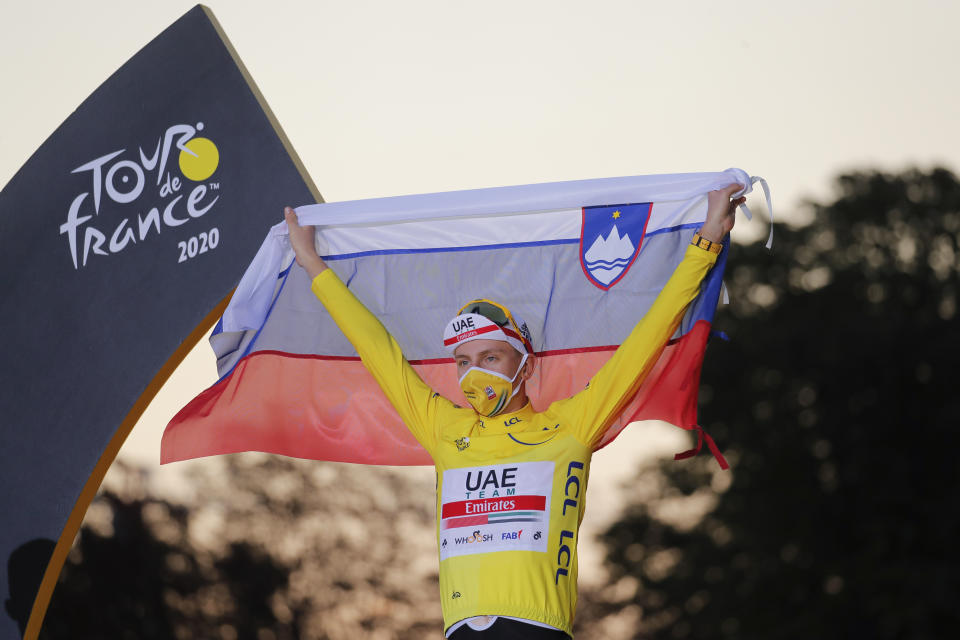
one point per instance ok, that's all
(692, 225)
(479, 247)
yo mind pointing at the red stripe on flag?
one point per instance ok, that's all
(540, 354)
(305, 407)
(670, 391)
(330, 408)
(493, 505)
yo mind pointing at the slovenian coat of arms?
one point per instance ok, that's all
(610, 239)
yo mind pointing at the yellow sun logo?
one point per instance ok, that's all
(200, 159)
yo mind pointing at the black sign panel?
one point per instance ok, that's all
(119, 237)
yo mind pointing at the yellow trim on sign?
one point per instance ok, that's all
(70, 530)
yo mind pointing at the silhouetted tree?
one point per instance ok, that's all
(836, 404)
(137, 575)
(274, 548)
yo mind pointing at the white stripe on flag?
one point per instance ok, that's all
(501, 229)
(480, 217)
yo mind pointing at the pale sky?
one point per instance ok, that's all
(385, 98)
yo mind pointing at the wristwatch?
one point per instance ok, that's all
(703, 243)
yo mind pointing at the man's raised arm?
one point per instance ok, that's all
(620, 378)
(419, 407)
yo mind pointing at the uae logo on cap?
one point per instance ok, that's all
(610, 239)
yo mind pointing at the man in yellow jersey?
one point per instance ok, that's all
(511, 482)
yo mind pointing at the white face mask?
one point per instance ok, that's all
(488, 391)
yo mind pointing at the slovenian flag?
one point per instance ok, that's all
(580, 261)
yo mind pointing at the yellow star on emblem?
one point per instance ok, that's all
(616, 214)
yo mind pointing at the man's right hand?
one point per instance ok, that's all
(302, 241)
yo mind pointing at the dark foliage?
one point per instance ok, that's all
(836, 404)
(274, 549)
(145, 580)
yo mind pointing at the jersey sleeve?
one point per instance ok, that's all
(419, 407)
(592, 410)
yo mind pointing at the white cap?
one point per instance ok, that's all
(473, 326)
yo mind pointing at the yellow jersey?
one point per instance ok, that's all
(511, 489)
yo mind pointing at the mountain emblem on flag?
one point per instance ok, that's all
(610, 239)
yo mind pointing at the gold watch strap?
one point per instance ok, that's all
(706, 245)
